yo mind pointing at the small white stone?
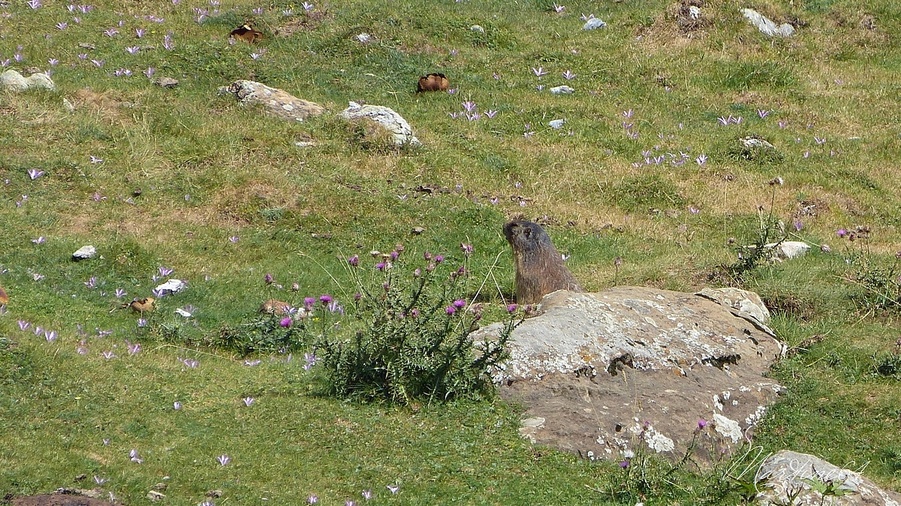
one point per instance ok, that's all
(557, 124)
(172, 286)
(593, 24)
(84, 253)
(477, 28)
(562, 90)
(363, 38)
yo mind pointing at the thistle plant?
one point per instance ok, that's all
(410, 333)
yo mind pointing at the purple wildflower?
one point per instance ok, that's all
(354, 261)
(286, 322)
(223, 459)
(310, 359)
(248, 401)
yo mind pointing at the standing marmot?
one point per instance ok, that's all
(539, 266)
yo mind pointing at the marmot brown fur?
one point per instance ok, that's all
(432, 82)
(539, 266)
(246, 34)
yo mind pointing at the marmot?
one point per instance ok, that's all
(539, 266)
(246, 34)
(432, 82)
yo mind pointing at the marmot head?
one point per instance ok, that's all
(432, 82)
(525, 236)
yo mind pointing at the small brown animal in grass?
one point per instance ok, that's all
(142, 305)
(275, 307)
(432, 82)
(539, 266)
(246, 34)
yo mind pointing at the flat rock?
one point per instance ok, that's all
(767, 26)
(387, 118)
(66, 497)
(16, 82)
(562, 90)
(171, 286)
(84, 253)
(275, 101)
(629, 365)
(166, 82)
(788, 477)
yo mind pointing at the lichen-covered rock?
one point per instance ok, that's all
(16, 82)
(788, 477)
(385, 117)
(638, 366)
(276, 101)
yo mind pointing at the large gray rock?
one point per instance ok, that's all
(16, 82)
(385, 117)
(601, 373)
(274, 100)
(800, 479)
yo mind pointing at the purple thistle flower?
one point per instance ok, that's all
(450, 310)
(381, 266)
(268, 279)
(439, 259)
(466, 248)
(459, 303)
(325, 299)
(286, 322)
(841, 232)
(223, 459)
(354, 261)
(511, 308)
(624, 464)
(308, 302)
(702, 423)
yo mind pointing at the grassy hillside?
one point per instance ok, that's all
(647, 168)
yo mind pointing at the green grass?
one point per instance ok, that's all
(184, 170)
